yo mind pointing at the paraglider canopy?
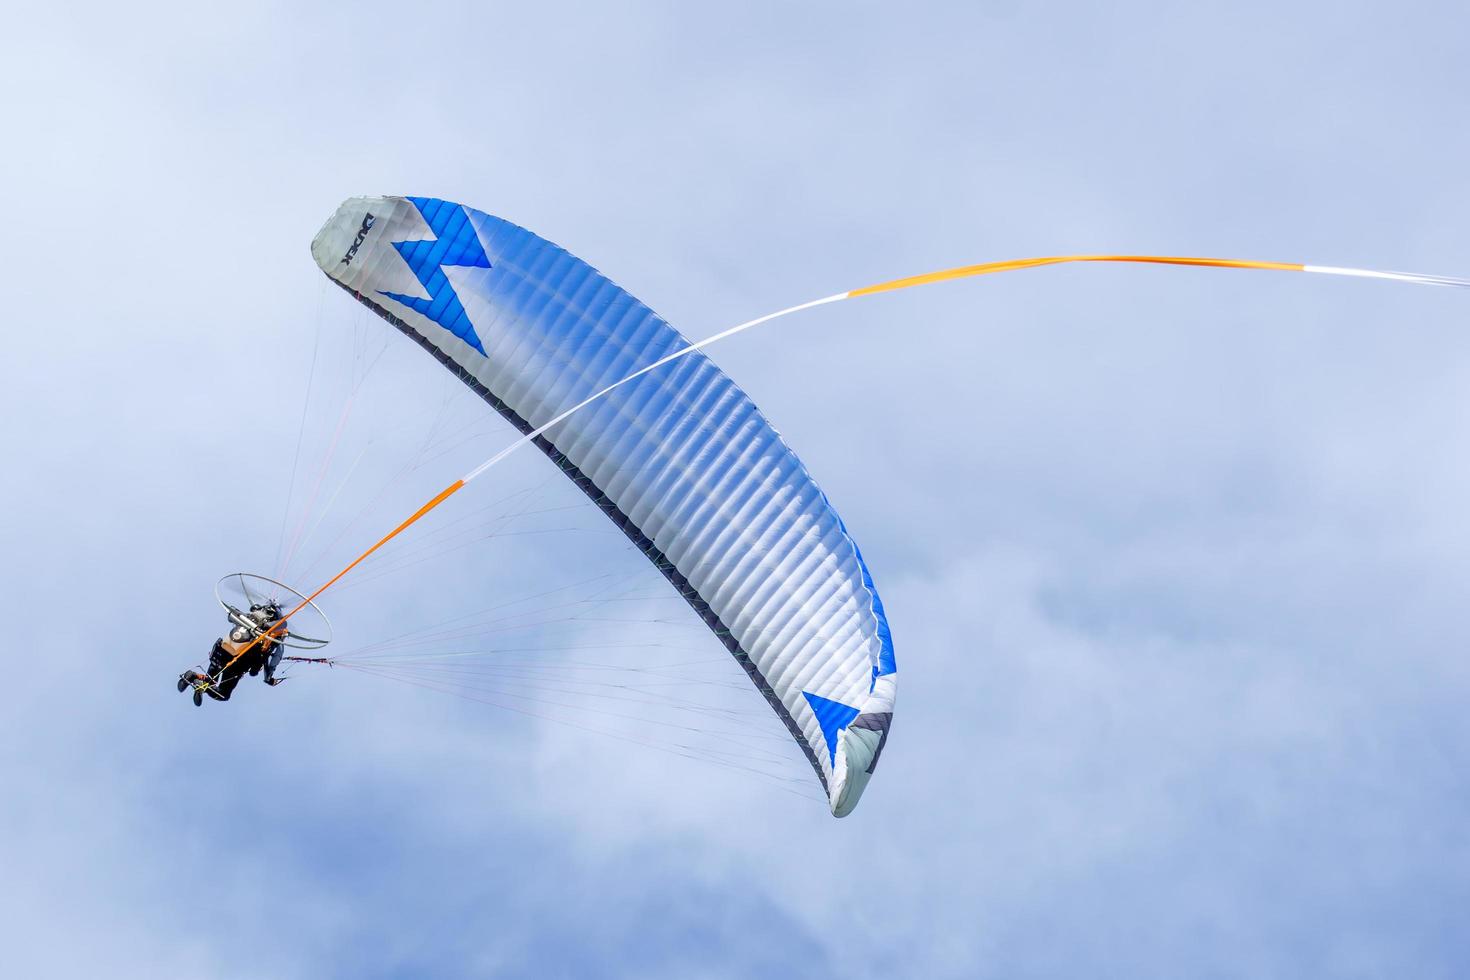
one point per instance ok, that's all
(241, 592)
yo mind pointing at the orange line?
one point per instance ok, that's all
(985, 268)
(442, 496)
(961, 272)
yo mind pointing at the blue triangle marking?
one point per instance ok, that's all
(833, 716)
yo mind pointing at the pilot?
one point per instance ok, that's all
(248, 649)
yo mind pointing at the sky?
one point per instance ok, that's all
(1174, 559)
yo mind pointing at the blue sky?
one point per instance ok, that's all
(1175, 559)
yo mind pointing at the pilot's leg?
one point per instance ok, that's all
(222, 690)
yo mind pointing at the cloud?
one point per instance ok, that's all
(1174, 559)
